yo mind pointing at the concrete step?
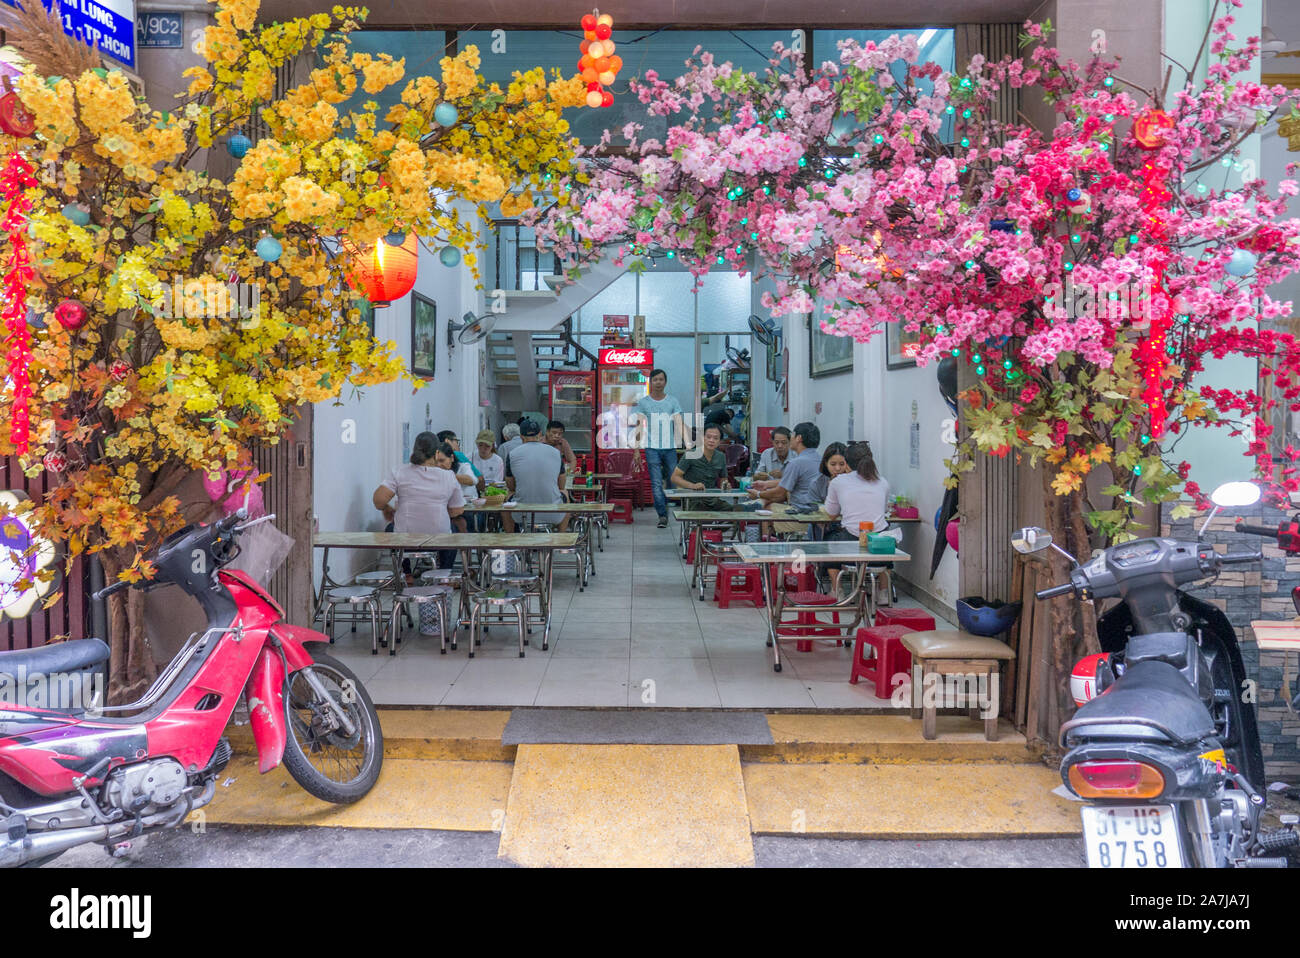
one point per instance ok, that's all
(885, 738)
(461, 735)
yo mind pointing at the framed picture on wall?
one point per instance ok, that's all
(901, 346)
(827, 355)
(774, 358)
(424, 336)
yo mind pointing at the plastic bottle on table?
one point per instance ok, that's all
(864, 528)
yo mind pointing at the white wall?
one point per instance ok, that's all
(359, 439)
(881, 402)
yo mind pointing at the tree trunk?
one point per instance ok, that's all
(131, 662)
(1073, 622)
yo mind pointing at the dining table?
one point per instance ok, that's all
(859, 601)
(466, 543)
(697, 520)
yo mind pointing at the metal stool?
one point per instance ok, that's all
(436, 595)
(525, 581)
(354, 595)
(498, 599)
(583, 560)
(379, 579)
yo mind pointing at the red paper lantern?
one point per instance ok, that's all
(1149, 129)
(384, 273)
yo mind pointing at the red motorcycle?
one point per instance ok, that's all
(73, 771)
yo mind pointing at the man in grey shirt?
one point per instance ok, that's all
(795, 492)
(773, 459)
(535, 474)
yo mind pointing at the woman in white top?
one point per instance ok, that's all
(427, 493)
(857, 496)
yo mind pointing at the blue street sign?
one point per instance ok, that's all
(162, 31)
(106, 24)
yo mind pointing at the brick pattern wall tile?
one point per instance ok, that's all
(1245, 595)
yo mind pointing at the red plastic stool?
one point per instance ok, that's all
(710, 535)
(807, 623)
(891, 657)
(725, 588)
(622, 511)
(915, 619)
(805, 581)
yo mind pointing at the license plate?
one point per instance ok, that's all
(1132, 836)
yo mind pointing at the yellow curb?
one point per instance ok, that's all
(884, 739)
(908, 801)
(627, 805)
(467, 735)
(456, 796)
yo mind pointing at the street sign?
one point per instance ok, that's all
(162, 31)
(106, 24)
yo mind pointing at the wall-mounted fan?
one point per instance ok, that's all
(764, 330)
(471, 329)
(1270, 43)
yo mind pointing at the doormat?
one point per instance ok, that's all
(609, 727)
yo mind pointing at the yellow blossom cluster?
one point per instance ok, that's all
(197, 346)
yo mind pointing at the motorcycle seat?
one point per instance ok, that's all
(76, 656)
(1151, 700)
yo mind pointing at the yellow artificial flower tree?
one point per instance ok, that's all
(150, 389)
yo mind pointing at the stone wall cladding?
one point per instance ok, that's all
(1246, 594)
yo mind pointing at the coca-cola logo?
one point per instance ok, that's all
(625, 357)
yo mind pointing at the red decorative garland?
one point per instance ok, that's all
(1151, 352)
(15, 179)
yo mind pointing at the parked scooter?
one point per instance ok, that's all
(1165, 743)
(82, 772)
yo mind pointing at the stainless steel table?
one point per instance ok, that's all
(781, 554)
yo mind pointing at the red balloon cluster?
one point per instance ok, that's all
(599, 65)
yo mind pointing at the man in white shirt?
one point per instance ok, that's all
(662, 426)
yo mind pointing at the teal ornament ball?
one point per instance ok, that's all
(449, 256)
(239, 145)
(269, 248)
(395, 238)
(76, 215)
(1242, 262)
(445, 114)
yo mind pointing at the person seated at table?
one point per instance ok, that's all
(834, 463)
(795, 492)
(424, 496)
(860, 494)
(555, 439)
(535, 474)
(490, 467)
(767, 470)
(465, 472)
(509, 441)
(705, 469)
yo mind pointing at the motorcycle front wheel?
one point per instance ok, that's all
(331, 764)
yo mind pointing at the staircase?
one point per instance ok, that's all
(534, 331)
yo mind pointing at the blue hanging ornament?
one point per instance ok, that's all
(269, 248)
(76, 215)
(444, 114)
(1242, 262)
(449, 256)
(239, 145)
(395, 238)
(1002, 226)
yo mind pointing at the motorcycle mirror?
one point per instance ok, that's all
(1031, 539)
(1235, 494)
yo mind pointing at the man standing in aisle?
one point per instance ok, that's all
(662, 427)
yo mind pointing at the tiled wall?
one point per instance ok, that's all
(1246, 594)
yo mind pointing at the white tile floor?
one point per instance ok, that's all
(637, 636)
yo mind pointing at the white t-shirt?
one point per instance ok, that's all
(493, 468)
(855, 500)
(424, 494)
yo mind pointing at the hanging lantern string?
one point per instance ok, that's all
(15, 179)
(1151, 351)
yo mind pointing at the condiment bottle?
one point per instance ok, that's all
(863, 529)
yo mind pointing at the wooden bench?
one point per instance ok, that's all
(955, 653)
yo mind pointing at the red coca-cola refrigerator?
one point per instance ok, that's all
(623, 377)
(573, 403)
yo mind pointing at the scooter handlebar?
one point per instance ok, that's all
(109, 590)
(1256, 530)
(1056, 590)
